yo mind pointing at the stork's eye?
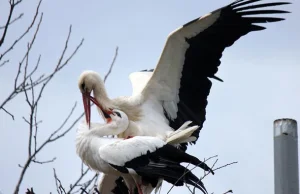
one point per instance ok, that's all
(117, 113)
(83, 86)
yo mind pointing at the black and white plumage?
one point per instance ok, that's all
(140, 160)
(178, 88)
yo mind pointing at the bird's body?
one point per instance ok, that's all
(177, 90)
(149, 120)
(137, 159)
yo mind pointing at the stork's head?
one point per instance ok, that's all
(90, 81)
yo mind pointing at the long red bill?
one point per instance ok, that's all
(87, 108)
(105, 112)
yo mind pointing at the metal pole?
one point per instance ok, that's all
(286, 175)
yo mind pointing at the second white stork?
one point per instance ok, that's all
(177, 90)
(138, 160)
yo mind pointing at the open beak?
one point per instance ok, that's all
(106, 113)
(87, 98)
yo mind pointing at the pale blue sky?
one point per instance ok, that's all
(260, 72)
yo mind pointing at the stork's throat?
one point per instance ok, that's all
(105, 112)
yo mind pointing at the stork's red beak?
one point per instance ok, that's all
(87, 107)
(87, 98)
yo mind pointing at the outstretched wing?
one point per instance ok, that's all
(139, 80)
(192, 55)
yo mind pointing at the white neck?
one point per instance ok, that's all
(88, 137)
(101, 130)
(101, 96)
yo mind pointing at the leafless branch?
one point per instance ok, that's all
(12, 116)
(13, 4)
(225, 165)
(44, 162)
(205, 173)
(26, 85)
(112, 64)
(229, 191)
(22, 86)
(188, 172)
(32, 100)
(12, 21)
(96, 183)
(72, 187)
(4, 62)
(89, 182)
(22, 35)
(59, 187)
(83, 191)
(32, 86)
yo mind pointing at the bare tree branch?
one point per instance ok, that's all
(26, 85)
(24, 82)
(12, 116)
(112, 64)
(4, 62)
(188, 172)
(44, 162)
(72, 187)
(22, 86)
(13, 4)
(22, 36)
(60, 188)
(14, 20)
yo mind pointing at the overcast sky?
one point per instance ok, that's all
(260, 73)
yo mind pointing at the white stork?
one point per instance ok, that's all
(111, 184)
(138, 160)
(177, 90)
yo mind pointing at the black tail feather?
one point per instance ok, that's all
(173, 154)
(174, 174)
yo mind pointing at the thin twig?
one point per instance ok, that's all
(26, 32)
(12, 7)
(12, 116)
(46, 79)
(12, 21)
(4, 62)
(188, 172)
(36, 128)
(60, 187)
(18, 89)
(112, 64)
(88, 183)
(225, 165)
(78, 180)
(84, 191)
(33, 103)
(44, 162)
